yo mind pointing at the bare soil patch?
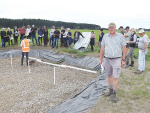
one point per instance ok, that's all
(35, 92)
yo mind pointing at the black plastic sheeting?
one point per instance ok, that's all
(85, 99)
(88, 62)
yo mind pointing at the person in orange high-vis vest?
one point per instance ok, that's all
(25, 44)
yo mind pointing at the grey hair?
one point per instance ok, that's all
(133, 30)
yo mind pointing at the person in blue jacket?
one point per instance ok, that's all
(40, 35)
(100, 38)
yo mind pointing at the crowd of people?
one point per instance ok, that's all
(51, 38)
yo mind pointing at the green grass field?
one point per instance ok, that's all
(96, 47)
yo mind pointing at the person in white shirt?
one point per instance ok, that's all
(28, 32)
(51, 33)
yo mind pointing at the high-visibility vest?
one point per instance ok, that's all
(25, 45)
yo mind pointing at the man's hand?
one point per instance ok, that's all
(143, 51)
(100, 62)
(122, 63)
(127, 41)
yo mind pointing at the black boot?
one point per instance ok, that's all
(114, 98)
(27, 63)
(132, 64)
(110, 92)
(21, 62)
(127, 65)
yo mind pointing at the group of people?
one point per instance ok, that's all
(115, 51)
(65, 36)
(130, 37)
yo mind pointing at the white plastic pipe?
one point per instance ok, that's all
(64, 66)
(54, 75)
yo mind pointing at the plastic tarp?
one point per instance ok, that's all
(82, 43)
(85, 99)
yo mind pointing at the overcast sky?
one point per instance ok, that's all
(133, 13)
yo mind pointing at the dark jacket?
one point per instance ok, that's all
(45, 34)
(40, 32)
(78, 34)
(9, 33)
(100, 38)
(132, 39)
(3, 33)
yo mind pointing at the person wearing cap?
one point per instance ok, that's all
(77, 35)
(22, 32)
(28, 32)
(127, 36)
(121, 29)
(143, 48)
(33, 34)
(16, 34)
(100, 38)
(114, 46)
(56, 37)
(25, 44)
(132, 45)
(3, 37)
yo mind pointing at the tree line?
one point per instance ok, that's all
(4, 22)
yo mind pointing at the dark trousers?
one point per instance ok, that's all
(51, 42)
(16, 40)
(21, 37)
(40, 38)
(27, 53)
(65, 44)
(9, 42)
(52, 39)
(92, 48)
(75, 41)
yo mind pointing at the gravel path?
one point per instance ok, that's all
(35, 92)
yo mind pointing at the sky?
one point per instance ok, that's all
(133, 13)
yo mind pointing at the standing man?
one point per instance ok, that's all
(3, 37)
(112, 44)
(121, 29)
(127, 37)
(25, 43)
(22, 32)
(62, 35)
(100, 38)
(143, 47)
(76, 35)
(33, 34)
(56, 37)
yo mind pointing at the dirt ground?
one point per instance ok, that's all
(133, 93)
(35, 92)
